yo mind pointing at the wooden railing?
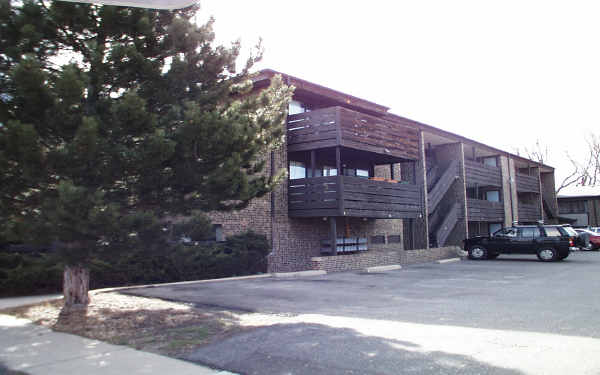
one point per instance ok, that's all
(482, 175)
(529, 184)
(338, 126)
(352, 196)
(529, 212)
(481, 210)
(369, 198)
(438, 191)
(447, 225)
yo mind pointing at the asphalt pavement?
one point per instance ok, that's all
(512, 315)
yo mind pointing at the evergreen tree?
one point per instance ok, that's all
(112, 118)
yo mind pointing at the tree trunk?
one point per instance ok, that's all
(76, 283)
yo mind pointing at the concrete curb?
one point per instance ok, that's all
(104, 290)
(449, 260)
(299, 273)
(391, 267)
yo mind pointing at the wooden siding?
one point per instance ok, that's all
(481, 210)
(529, 212)
(352, 196)
(482, 175)
(529, 184)
(337, 126)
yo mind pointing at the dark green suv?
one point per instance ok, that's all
(549, 242)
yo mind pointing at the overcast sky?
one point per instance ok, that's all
(505, 73)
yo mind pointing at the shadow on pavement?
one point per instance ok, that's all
(307, 348)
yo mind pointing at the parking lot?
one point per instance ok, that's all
(512, 315)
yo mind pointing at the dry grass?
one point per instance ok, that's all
(148, 324)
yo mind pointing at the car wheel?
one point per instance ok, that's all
(547, 254)
(478, 253)
(588, 247)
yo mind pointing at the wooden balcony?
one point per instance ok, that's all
(338, 126)
(528, 184)
(481, 210)
(335, 196)
(529, 212)
(482, 175)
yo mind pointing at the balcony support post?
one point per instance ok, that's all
(313, 162)
(338, 160)
(333, 235)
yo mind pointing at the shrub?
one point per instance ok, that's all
(243, 254)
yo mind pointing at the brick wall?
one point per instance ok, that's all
(350, 262)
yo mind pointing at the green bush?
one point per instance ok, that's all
(243, 254)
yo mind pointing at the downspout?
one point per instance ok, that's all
(510, 183)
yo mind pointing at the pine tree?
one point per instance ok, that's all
(112, 118)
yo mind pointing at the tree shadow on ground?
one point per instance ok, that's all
(308, 348)
(7, 371)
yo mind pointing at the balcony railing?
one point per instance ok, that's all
(352, 196)
(482, 175)
(482, 210)
(529, 212)
(338, 126)
(528, 184)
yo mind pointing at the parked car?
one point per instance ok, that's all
(579, 242)
(548, 242)
(595, 230)
(591, 239)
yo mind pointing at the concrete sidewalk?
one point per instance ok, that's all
(7, 303)
(34, 349)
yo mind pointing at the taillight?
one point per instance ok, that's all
(571, 242)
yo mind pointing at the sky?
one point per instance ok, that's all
(505, 73)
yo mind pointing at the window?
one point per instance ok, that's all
(329, 171)
(219, 235)
(394, 238)
(297, 170)
(378, 239)
(552, 232)
(494, 227)
(492, 196)
(356, 172)
(530, 232)
(492, 161)
(506, 232)
(296, 107)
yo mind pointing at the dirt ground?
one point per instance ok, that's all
(148, 324)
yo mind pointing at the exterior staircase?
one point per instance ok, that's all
(441, 223)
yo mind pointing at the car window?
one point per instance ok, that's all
(552, 232)
(570, 231)
(530, 232)
(506, 232)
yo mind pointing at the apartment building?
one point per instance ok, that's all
(367, 187)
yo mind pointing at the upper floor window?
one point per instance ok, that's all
(329, 171)
(492, 196)
(492, 161)
(296, 107)
(297, 170)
